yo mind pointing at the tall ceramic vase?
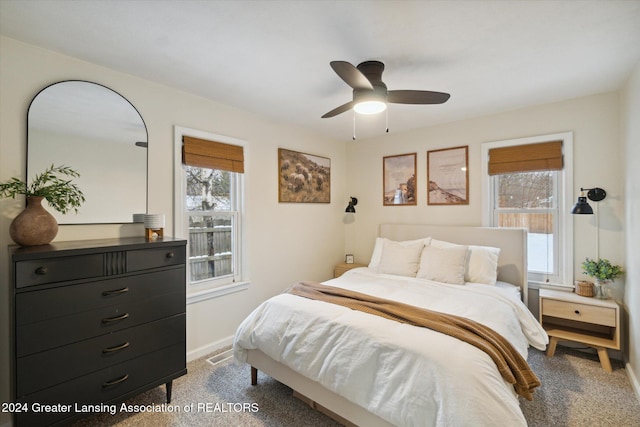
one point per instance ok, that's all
(34, 226)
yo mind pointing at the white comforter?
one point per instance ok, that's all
(406, 375)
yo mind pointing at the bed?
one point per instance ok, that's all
(367, 370)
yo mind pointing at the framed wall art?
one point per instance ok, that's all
(448, 176)
(303, 178)
(399, 180)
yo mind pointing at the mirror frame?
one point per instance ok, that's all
(61, 218)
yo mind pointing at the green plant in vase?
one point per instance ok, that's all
(36, 226)
(602, 271)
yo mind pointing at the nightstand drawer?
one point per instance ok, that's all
(579, 312)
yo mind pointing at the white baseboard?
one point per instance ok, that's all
(209, 348)
(633, 378)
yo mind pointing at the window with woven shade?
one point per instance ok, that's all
(212, 171)
(526, 191)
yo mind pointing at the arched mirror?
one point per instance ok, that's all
(101, 135)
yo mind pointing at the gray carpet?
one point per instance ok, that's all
(575, 391)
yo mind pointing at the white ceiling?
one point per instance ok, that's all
(272, 57)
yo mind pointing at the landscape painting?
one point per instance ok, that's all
(448, 176)
(303, 178)
(399, 180)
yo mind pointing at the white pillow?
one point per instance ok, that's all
(442, 244)
(400, 258)
(482, 266)
(482, 262)
(374, 263)
(445, 265)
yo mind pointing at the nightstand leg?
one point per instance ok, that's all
(551, 350)
(604, 359)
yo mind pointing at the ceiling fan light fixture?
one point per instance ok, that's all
(370, 94)
(370, 107)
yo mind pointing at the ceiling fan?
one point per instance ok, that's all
(370, 94)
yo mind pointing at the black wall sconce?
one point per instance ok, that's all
(594, 194)
(584, 208)
(352, 203)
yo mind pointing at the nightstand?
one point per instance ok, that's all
(343, 267)
(590, 321)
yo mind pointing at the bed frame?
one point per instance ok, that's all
(512, 268)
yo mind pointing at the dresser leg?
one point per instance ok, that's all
(169, 387)
(604, 359)
(551, 350)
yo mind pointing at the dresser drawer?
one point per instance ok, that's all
(48, 368)
(79, 325)
(65, 300)
(579, 312)
(123, 379)
(52, 270)
(154, 258)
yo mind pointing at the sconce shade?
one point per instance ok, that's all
(582, 207)
(351, 207)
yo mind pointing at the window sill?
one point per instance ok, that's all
(555, 286)
(220, 291)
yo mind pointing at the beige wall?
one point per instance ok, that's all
(285, 242)
(630, 155)
(594, 121)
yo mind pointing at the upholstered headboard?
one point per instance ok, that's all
(512, 263)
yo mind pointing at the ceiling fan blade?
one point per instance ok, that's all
(351, 75)
(416, 97)
(338, 110)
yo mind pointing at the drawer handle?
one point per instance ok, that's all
(577, 312)
(115, 319)
(41, 271)
(170, 254)
(115, 292)
(116, 348)
(116, 381)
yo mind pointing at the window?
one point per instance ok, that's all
(528, 185)
(529, 200)
(208, 211)
(212, 218)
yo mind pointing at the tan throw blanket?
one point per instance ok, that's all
(512, 366)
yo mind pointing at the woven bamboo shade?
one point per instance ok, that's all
(212, 154)
(526, 158)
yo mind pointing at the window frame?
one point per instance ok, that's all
(564, 279)
(217, 286)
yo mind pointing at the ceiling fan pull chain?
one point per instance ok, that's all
(387, 113)
(354, 126)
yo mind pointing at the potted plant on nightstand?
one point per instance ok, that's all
(34, 225)
(602, 272)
